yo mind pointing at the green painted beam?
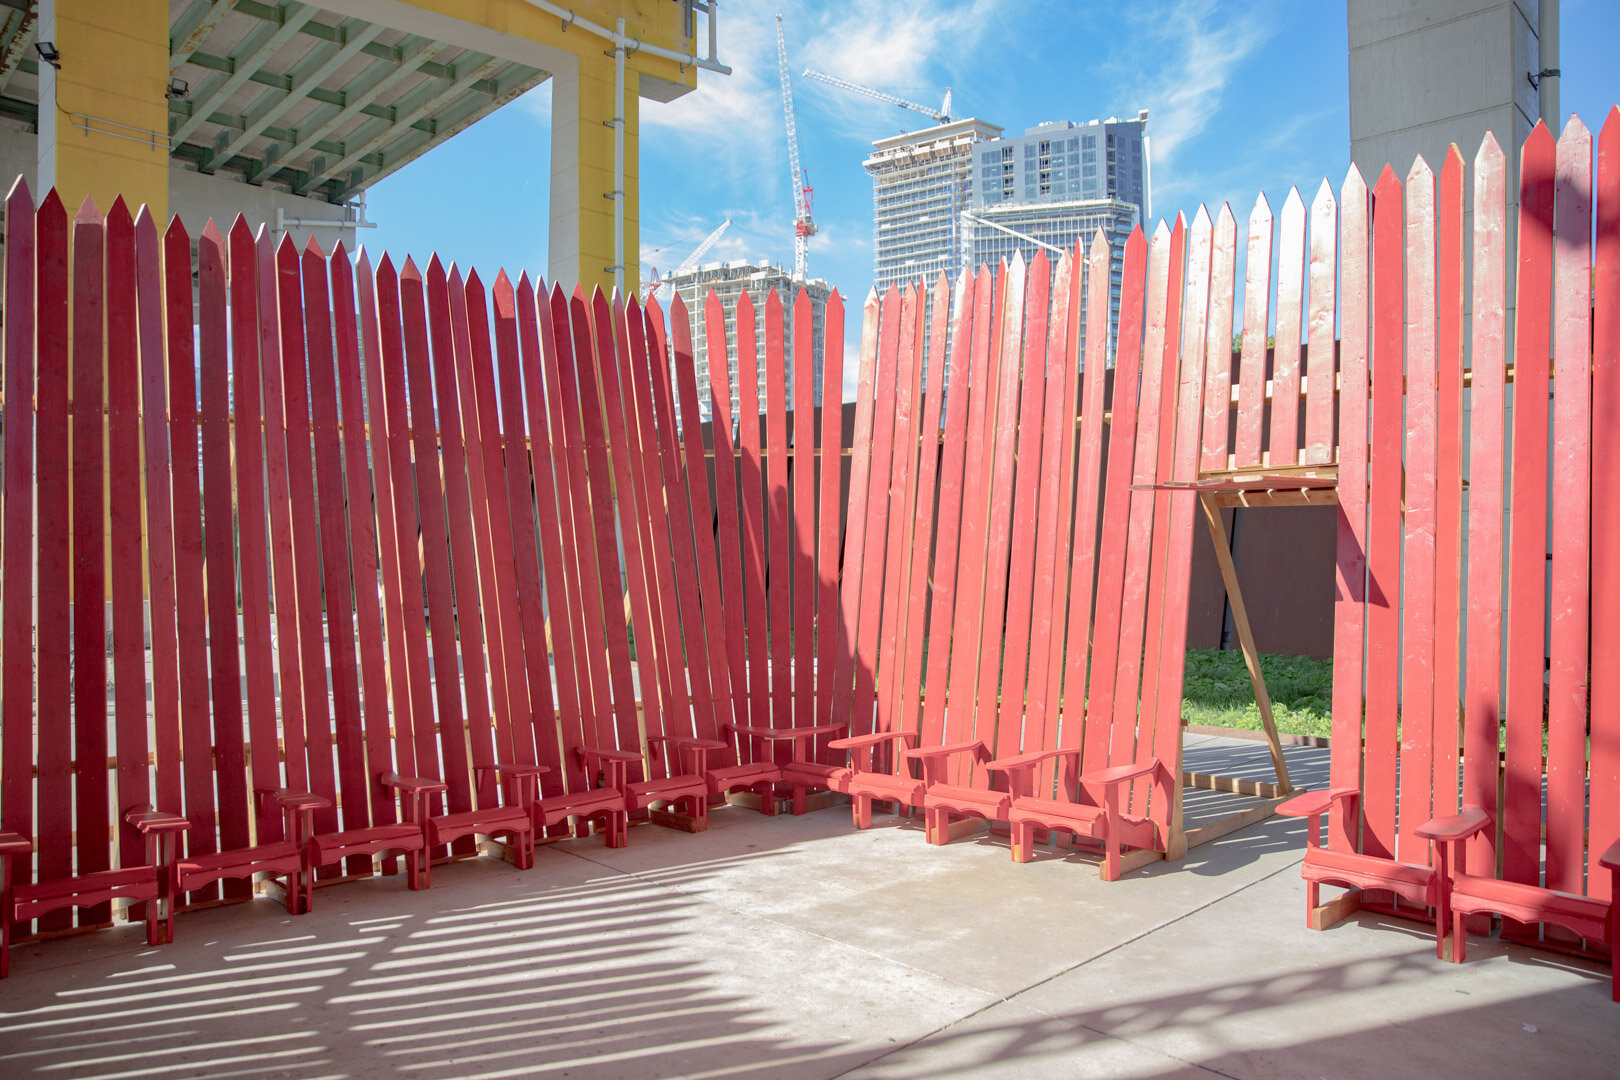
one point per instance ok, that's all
(257, 48)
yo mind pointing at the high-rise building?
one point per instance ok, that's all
(728, 281)
(1059, 182)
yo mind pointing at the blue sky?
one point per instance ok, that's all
(1242, 96)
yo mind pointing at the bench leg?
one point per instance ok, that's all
(861, 810)
(798, 799)
(1023, 841)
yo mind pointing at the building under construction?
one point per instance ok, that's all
(728, 281)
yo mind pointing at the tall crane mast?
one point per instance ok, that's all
(651, 286)
(804, 224)
(940, 115)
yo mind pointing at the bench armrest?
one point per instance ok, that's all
(795, 734)
(688, 742)
(292, 799)
(1119, 774)
(1456, 827)
(1312, 803)
(859, 742)
(150, 821)
(1611, 859)
(590, 753)
(976, 748)
(12, 843)
(513, 770)
(1031, 759)
(412, 785)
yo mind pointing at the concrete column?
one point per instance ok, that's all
(103, 117)
(582, 181)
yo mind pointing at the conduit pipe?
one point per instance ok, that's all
(617, 37)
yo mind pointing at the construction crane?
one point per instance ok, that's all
(651, 286)
(804, 224)
(941, 115)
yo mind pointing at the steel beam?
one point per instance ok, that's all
(192, 28)
(260, 48)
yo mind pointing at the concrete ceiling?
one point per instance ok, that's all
(295, 95)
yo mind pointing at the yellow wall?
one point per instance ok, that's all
(115, 68)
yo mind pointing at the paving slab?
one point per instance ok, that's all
(799, 948)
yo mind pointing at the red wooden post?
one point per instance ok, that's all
(1449, 470)
(855, 554)
(804, 507)
(1256, 308)
(750, 483)
(1486, 464)
(1605, 765)
(1571, 540)
(780, 558)
(1417, 728)
(1286, 353)
(252, 543)
(902, 459)
(832, 441)
(17, 712)
(89, 551)
(1349, 606)
(1319, 374)
(1527, 556)
(729, 531)
(124, 487)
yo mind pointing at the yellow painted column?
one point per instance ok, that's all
(582, 178)
(103, 117)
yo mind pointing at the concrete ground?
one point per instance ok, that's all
(797, 947)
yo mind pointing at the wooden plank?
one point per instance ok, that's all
(1384, 525)
(832, 438)
(17, 714)
(970, 338)
(1019, 534)
(1527, 554)
(258, 661)
(535, 735)
(593, 349)
(492, 522)
(902, 459)
(306, 536)
(124, 515)
(1053, 514)
(576, 518)
(779, 560)
(547, 439)
(1218, 356)
(289, 660)
(750, 483)
(354, 785)
(1569, 592)
(463, 477)
(89, 510)
(1284, 440)
(804, 508)
(968, 594)
(860, 464)
(676, 683)
(1163, 270)
(1449, 274)
(435, 541)
(909, 696)
(1080, 637)
(711, 640)
(1486, 465)
(1320, 346)
(1225, 826)
(54, 633)
(1350, 561)
(655, 405)
(380, 423)
(1334, 911)
(1417, 730)
(1159, 551)
(1116, 501)
(1256, 322)
(874, 558)
(728, 524)
(1605, 763)
(362, 522)
(159, 511)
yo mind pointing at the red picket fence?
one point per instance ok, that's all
(359, 524)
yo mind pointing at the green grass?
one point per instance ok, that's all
(1218, 692)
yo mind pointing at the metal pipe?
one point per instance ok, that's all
(1011, 232)
(619, 40)
(1547, 84)
(618, 159)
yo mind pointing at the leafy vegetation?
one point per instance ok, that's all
(1218, 692)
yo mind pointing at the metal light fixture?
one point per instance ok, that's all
(48, 53)
(177, 89)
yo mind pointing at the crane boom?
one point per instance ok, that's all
(804, 225)
(703, 249)
(940, 115)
